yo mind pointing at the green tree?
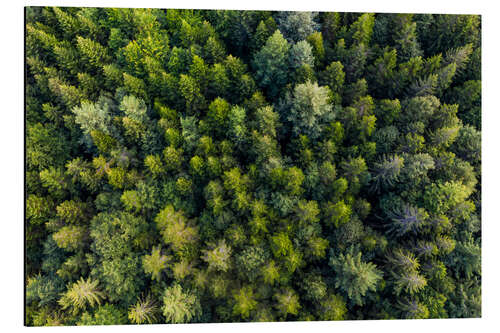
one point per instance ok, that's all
(155, 263)
(180, 306)
(270, 64)
(245, 302)
(107, 314)
(354, 276)
(218, 257)
(175, 228)
(144, 311)
(310, 108)
(81, 294)
(296, 26)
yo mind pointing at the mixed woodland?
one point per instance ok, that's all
(205, 166)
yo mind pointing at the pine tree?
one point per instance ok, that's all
(354, 276)
(270, 64)
(81, 294)
(180, 306)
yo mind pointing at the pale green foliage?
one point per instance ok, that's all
(190, 90)
(404, 260)
(182, 269)
(218, 257)
(250, 261)
(468, 144)
(81, 294)
(70, 237)
(297, 25)
(237, 127)
(134, 108)
(154, 164)
(144, 311)
(134, 85)
(270, 272)
(315, 287)
(333, 307)
(131, 200)
(281, 244)
(338, 213)
(173, 158)
(307, 212)
(333, 76)
(175, 228)
(267, 121)
(93, 116)
(155, 263)
(180, 306)
(410, 282)
(245, 302)
(310, 107)
(43, 147)
(407, 219)
(117, 234)
(443, 196)
(301, 54)
(184, 185)
(37, 208)
(413, 309)
(287, 302)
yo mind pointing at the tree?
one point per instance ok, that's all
(44, 147)
(407, 219)
(287, 302)
(94, 116)
(175, 228)
(301, 54)
(386, 172)
(333, 307)
(70, 237)
(93, 53)
(155, 263)
(107, 314)
(218, 115)
(245, 302)
(413, 309)
(310, 108)
(411, 282)
(81, 294)
(218, 257)
(316, 41)
(296, 26)
(405, 37)
(180, 306)
(333, 76)
(361, 30)
(250, 261)
(270, 64)
(190, 91)
(144, 311)
(354, 276)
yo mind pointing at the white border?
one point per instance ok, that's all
(11, 163)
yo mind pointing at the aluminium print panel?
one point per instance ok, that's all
(209, 166)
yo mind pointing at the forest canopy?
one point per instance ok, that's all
(194, 166)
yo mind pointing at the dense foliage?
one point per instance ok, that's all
(216, 166)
